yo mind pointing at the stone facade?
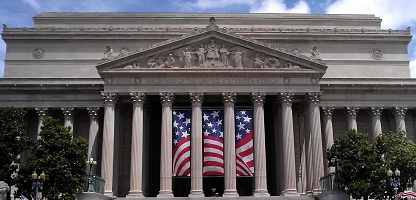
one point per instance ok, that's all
(115, 78)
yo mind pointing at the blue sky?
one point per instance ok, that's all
(396, 14)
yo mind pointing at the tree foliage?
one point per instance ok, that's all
(13, 141)
(362, 165)
(61, 156)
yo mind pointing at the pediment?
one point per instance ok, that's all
(211, 48)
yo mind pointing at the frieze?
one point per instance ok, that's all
(211, 81)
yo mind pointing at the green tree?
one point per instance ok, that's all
(13, 141)
(360, 167)
(61, 156)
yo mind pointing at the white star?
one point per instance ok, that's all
(240, 126)
(247, 130)
(206, 117)
(221, 134)
(219, 122)
(175, 124)
(174, 112)
(243, 112)
(187, 121)
(210, 124)
(185, 134)
(214, 130)
(206, 132)
(177, 132)
(175, 141)
(247, 119)
(181, 127)
(237, 117)
(238, 136)
(181, 115)
(215, 114)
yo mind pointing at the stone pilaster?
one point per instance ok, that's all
(196, 145)
(93, 132)
(328, 139)
(399, 115)
(107, 163)
(136, 165)
(42, 114)
(260, 176)
(288, 144)
(352, 117)
(375, 121)
(315, 139)
(230, 173)
(68, 117)
(166, 99)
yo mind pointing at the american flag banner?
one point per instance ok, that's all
(213, 131)
(244, 142)
(181, 142)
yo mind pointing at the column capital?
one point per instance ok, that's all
(352, 111)
(328, 111)
(68, 111)
(258, 98)
(229, 98)
(138, 97)
(166, 98)
(196, 98)
(314, 97)
(399, 111)
(110, 98)
(376, 111)
(286, 97)
(93, 112)
(42, 111)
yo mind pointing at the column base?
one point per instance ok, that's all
(196, 193)
(108, 193)
(135, 194)
(316, 191)
(290, 192)
(165, 194)
(230, 193)
(261, 193)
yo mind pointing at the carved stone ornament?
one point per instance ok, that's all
(124, 51)
(108, 53)
(212, 24)
(377, 54)
(315, 53)
(38, 53)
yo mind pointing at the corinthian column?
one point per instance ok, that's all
(108, 142)
(230, 173)
(399, 115)
(328, 139)
(289, 168)
(93, 132)
(136, 160)
(68, 117)
(260, 176)
(196, 145)
(166, 146)
(316, 139)
(352, 117)
(375, 121)
(42, 113)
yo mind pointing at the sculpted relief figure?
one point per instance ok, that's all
(238, 59)
(212, 51)
(315, 53)
(108, 53)
(289, 65)
(201, 55)
(224, 55)
(187, 58)
(258, 62)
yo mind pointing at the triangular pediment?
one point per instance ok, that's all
(211, 48)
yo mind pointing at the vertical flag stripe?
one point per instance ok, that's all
(244, 142)
(213, 131)
(181, 142)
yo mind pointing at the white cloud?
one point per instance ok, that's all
(279, 6)
(395, 14)
(412, 66)
(33, 3)
(205, 5)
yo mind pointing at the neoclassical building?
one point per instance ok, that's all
(117, 79)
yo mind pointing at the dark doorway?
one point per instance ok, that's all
(181, 186)
(245, 185)
(213, 186)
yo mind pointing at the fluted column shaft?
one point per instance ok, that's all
(108, 142)
(68, 117)
(136, 164)
(328, 139)
(42, 114)
(288, 144)
(93, 132)
(166, 146)
(260, 176)
(230, 182)
(316, 139)
(196, 145)
(309, 153)
(399, 115)
(375, 121)
(352, 117)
